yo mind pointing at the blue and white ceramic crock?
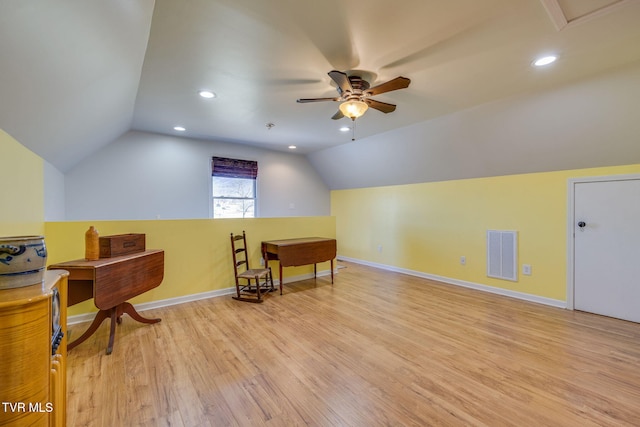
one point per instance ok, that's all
(22, 261)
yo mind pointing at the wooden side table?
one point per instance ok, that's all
(299, 251)
(111, 282)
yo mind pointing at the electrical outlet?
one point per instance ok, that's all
(379, 248)
(463, 260)
(526, 269)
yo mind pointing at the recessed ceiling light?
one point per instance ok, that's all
(545, 60)
(207, 94)
(292, 147)
(345, 129)
(179, 128)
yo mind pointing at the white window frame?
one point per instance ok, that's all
(213, 199)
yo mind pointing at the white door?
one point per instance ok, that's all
(607, 248)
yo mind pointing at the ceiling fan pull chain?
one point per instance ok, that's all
(353, 130)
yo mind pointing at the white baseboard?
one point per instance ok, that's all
(227, 291)
(86, 317)
(477, 286)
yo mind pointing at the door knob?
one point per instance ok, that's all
(582, 225)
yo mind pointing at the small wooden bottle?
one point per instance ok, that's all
(91, 244)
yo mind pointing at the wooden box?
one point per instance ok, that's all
(121, 244)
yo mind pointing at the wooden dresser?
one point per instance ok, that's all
(33, 375)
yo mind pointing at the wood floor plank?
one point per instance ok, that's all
(375, 349)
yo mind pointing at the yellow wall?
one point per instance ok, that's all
(427, 227)
(197, 252)
(420, 227)
(22, 193)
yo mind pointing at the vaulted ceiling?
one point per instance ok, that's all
(75, 75)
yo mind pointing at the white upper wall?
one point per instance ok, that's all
(589, 124)
(148, 176)
(54, 198)
(70, 73)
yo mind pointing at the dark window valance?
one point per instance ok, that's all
(234, 168)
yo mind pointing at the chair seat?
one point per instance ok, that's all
(253, 272)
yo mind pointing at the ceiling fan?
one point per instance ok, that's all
(355, 94)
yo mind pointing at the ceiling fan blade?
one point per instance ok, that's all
(395, 84)
(304, 100)
(342, 80)
(380, 106)
(337, 116)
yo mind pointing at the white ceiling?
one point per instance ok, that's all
(76, 75)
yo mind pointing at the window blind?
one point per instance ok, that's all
(234, 168)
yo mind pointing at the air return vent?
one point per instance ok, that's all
(502, 254)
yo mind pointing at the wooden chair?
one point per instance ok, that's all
(249, 292)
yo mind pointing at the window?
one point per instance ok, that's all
(234, 187)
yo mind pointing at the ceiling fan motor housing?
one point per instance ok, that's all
(359, 85)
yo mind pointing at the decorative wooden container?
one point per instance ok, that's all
(121, 244)
(33, 381)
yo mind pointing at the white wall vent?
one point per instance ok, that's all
(502, 254)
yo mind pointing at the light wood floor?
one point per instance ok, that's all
(375, 349)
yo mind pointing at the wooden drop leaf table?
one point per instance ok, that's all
(111, 282)
(299, 251)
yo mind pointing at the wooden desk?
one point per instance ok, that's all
(111, 282)
(302, 251)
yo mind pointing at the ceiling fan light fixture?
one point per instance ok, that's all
(353, 108)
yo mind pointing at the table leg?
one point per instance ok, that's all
(265, 256)
(112, 332)
(131, 311)
(97, 321)
(115, 314)
(332, 272)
